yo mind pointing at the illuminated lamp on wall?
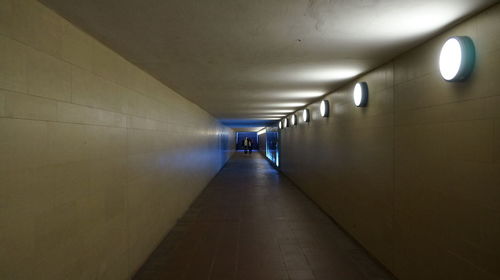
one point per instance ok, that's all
(285, 122)
(360, 94)
(305, 115)
(280, 125)
(324, 108)
(457, 58)
(293, 120)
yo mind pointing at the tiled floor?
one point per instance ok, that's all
(253, 223)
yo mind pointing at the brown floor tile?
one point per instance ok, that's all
(251, 223)
(303, 274)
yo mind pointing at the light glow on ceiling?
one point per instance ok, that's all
(266, 111)
(306, 94)
(263, 118)
(289, 95)
(267, 115)
(327, 74)
(298, 94)
(292, 46)
(284, 104)
(279, 111)
(421, 19)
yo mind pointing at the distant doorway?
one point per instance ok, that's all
(240, 137)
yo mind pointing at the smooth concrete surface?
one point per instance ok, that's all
(262, 143)
(247, 59)
(414, 176)
(252, 223)
(97, 158)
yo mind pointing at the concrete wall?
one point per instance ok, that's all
(415, 176)
(97, 159)
(262, 143)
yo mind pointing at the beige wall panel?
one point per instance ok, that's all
(23, 106)
(13, 59)
(48, 77)
(23, 144)
(76, 47)
(71, 113)
(97, 158)
(47, 30)
(496, 140)
(94, 91)
(473, 109)
(2, 103)
(488, 28)
(10, 25)
(66, 143)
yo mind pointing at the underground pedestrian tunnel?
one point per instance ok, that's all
(373, 128)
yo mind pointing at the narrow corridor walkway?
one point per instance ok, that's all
(253, 223)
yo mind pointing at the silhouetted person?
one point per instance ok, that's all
(247, 145)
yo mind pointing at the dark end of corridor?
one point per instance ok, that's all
(252, 223)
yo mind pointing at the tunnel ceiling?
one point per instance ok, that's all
(249, 61)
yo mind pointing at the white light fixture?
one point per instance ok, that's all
(305, 115)
(262, 131)
(285, 122)
(324, 108)
(293, 119)
(457, 58)
(280, 125)
(360, 94)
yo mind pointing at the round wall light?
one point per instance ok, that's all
(293, 120)
(285, 122)
(305, 115)
(457, 58)
(324, 108)
(360, 94)
(280, 124)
